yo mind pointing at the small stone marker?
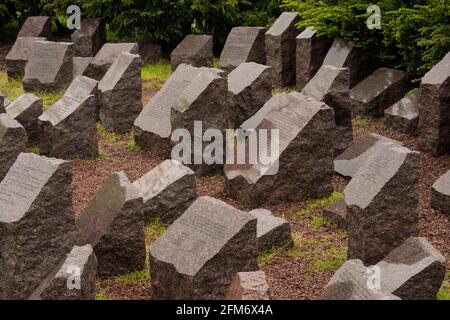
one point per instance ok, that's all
(196, 50)
(80, 65)
(168, 191)
(249, 286)
(280, 48)
(89, 39)
(106, 57)
(244, 44)
(382, 200)
(121, 93)
(349, 162)
(13, 141)
(37, 222)
(337, 213)
(403, 116)
(18, 56)
(377, 92)
(201, 252)
(292, 174)
(413, 271)
(150, 52)
(434, 109)
(75, 279)
(26, 109)
(440, 194)
(272, 232)
(39, 26)
(310, 53)
(113, 223)
(50, 67)
(250, 86)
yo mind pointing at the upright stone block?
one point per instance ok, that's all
(150, 52)
(249, 286)
(337, 213)
(440, 194)
(17, 58)
(38, 26)
(403, 116)
(195, 50)
(280, 49)
(89, 39)
(272, 232)
(13, 141)
(199, 255)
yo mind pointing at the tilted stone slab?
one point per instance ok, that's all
(50, 67)
(38, 26)
(377, 92)
(250, 86)
(349, 162)
(382, 202)
(280, 48)
(17, 58)
(403, 116)
(199, 255)
(249, 286)
(90, 38)
(113, 222)
(26, 109)
(310, 53)
(434, 109)
(37, 222)
(244, 44)
(440, 194)
(293, 174)
(106, 57)
(337, 213)
(195, 50)
(121, 93)
(272, 232)
(80, 65)
(73, 279)
(168, 191)
(13, 141)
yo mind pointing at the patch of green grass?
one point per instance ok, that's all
(133, 146)
(103, 155)
(105, 135)
(49, 98)
(154, 229)
(155, 75)
(214, 63)
(101, 295)
(34, 149)
(444, 292)
(332, 259)
(139, 277)
(278, 90)
(320, 203)
(361, 122)
(12, 88)
(270, 255)
(318, 222)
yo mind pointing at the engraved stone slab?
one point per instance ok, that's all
(50, 67)
(272, 231)
(382, 200)
(337, 213)
(13, 141)
(26, 109)
(89, 39)
(377, 92)
(196, 50)
(403, 116)
(244, 44)
(434, 109)
(168, 191)
(249, 286)
(199, 255)
(280, 48)
(250, 86)
(121, 93)
(106, 57)
(37, 222)
(440, 194)
(113, 223)
(39, 26)
(78, 268)
(19, 55)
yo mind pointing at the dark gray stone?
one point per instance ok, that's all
(150, 52)
(121, 93)
(106, 57)
(80, 65)
(113, 223)
(39, 26)
(50, 67)
(249, 286)
(73, 279)
(37, 222)
(199, 255)
(280, 49)
(272, 232)
(196, 50)
(337, 213)
(13, 141)
(244, 44)
(302, 169)
(434, 109)
(89, 39)
(440, 194)
(377, 92)
(403, 116)
(250, 87)
(310, 53)
(17, 58)
(2, 103)
(382, 202)
(168, 191)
